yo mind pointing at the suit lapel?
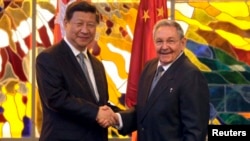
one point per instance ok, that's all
(100, 81)
(96, 71)
(144, 92)
(149, 79)
(69, 58)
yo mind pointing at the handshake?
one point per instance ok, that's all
(106, 117)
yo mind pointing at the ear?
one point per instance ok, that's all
(65, 23)
(183, 42)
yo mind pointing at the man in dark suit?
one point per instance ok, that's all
(177, 108)
(73, 100)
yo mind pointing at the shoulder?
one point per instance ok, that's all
(151, 63)
(184, 63)
(94, 58)
(50, 52)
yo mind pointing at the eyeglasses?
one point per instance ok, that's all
(169, 42)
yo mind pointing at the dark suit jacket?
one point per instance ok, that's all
(177, 110)
(69, 106)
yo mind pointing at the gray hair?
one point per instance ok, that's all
(172, 23)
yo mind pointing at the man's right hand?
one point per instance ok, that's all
(106, 117)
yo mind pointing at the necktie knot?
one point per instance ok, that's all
(81, 56)
(159, 71)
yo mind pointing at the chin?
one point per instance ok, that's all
(165, 62)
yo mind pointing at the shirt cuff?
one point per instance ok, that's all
(120, 124)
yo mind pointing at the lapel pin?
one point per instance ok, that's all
(171, 89)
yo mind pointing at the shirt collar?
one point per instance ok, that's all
(165, 67)
(74, 50)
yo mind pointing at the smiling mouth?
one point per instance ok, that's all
(165, 52)
(84, 38)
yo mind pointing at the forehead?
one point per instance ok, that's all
(84, 16)
(166, 31)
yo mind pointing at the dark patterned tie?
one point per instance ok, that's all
(158, 75)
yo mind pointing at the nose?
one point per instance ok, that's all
(165, 44)
(84, 28)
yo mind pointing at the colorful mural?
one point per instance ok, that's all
(218, 43)
(218, 37)
(15, 69)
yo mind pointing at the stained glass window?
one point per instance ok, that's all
(218, 43)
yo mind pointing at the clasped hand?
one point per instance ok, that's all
(106, 117)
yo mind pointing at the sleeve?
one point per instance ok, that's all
(194, 106)
(129, 121)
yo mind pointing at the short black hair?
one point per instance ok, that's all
(83, 6)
